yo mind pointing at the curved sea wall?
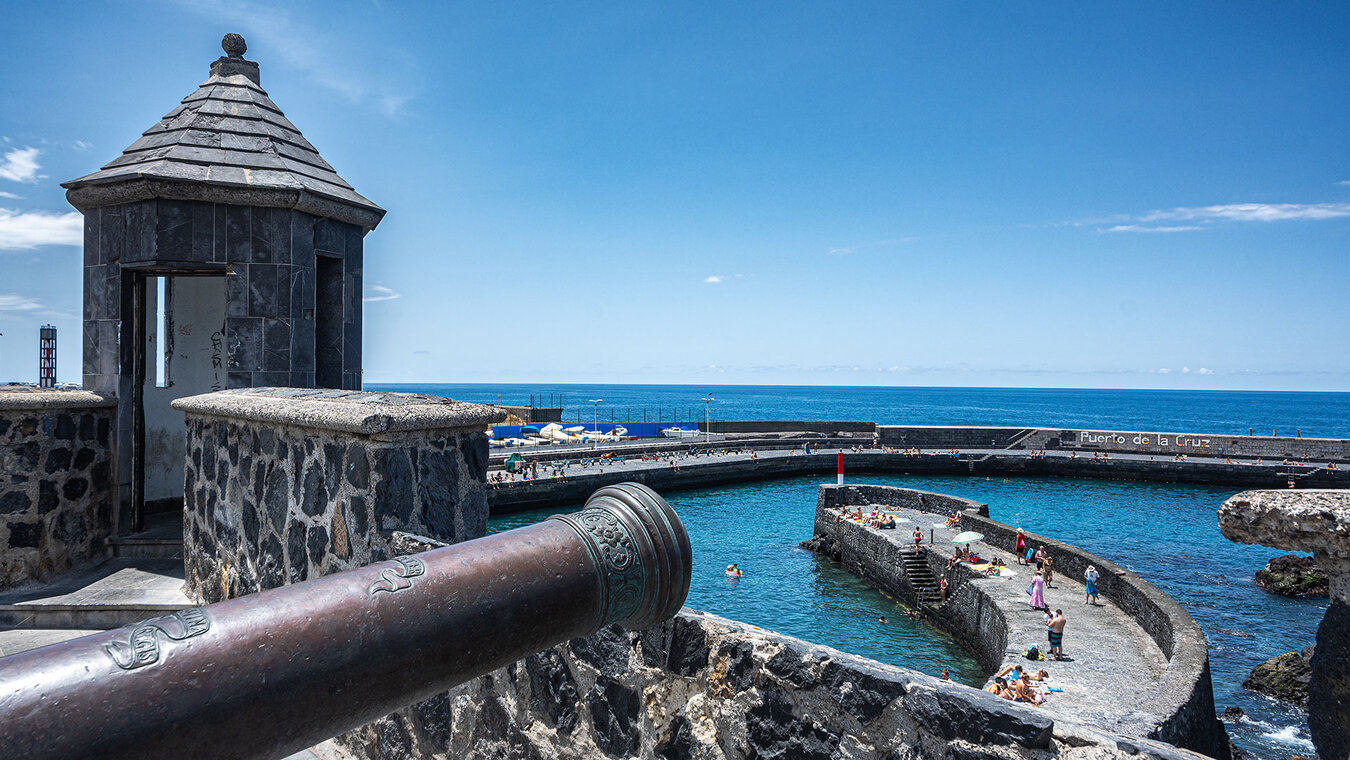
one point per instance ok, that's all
(1180, 707)
(701, 686)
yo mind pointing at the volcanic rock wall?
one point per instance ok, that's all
(56, 491)
(699, 686)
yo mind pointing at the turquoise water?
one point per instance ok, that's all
(1167, 533)
(1316, 414)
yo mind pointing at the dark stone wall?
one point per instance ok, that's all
(269, 254)
(1196, 444)
(267, 505)
(699, 686)
(55, 491)
(825, 427)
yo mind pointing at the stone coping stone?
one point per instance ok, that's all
(1311, 520)
(27, 397)
(359, 412)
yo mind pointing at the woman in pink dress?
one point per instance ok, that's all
(1038, 592)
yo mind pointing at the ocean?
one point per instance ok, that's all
(1325, 415)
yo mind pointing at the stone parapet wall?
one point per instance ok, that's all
(1136, 442)
(824, 427)
(945, 437)
(1180, 709)
(288, 484)
(56, 504)
(701, 686)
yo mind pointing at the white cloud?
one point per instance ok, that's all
(381, 293)
(22, 230)
(712, 279)
(1204, 371)
(1185, 370)
(1344, 182)
(82, 145)
(4, 194)
(15, 302)
(1140, 228)
(1164, 371)
(844, 250)
(1251, 212)
(20, 165)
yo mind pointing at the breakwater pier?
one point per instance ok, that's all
(770, 450)
(1137, 636)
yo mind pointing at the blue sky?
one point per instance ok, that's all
(1000, 194)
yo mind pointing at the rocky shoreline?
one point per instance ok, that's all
(1293, 575)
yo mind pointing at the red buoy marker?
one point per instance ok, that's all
(841, 468)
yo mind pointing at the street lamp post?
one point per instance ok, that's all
(707, 418)
(595, 419)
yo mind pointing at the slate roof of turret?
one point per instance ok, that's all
(229, 134)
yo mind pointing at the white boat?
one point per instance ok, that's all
(681, 433)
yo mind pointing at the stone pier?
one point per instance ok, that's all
(1316, 522)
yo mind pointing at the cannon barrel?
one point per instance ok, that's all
(268, 674)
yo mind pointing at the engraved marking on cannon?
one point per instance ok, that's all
(399, 576)
(142, 645)
(618, 553)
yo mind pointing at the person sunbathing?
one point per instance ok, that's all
(1000, 688)
(1025, 693)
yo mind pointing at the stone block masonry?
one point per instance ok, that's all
(56, 492)
(285, 484)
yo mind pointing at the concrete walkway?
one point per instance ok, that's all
(1111, 664)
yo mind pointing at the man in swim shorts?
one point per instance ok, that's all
(1055, 633)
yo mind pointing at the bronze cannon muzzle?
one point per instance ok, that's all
(268, 674)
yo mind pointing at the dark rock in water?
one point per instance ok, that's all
(1284, 677)
(1232, 713)
(1231, 632)
(1329, 713)
(1293, 575)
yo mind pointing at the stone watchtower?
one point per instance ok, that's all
(220, 251)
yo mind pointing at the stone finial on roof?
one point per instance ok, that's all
(234, 45)
(233, 61)
(227, 142)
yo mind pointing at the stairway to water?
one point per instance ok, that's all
(921, 578)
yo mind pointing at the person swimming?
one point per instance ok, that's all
(733, 571)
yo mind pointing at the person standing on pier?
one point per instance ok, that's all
(1056, 635)
(1038, 592)
(1021, 547)
(1090, 585)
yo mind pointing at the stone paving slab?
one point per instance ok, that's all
(117, 592)
(24, 639)
(1112, 664)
